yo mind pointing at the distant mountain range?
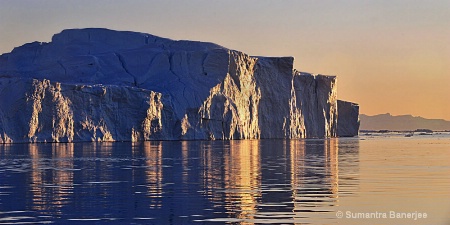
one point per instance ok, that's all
(401, 123)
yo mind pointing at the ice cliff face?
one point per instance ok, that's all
(104, 85)
(348, 120)
(44, 111)
(315, 101)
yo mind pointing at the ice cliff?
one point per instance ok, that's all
(104, 85)
(349, 118)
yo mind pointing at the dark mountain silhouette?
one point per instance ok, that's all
(402, 122)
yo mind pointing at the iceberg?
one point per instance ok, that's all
(98, 84)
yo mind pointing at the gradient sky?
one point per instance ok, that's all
(389, 55)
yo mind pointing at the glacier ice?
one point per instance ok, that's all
(348, 118)
(103, 85)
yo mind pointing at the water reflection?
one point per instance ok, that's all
(245, 182)
(242, 179)
(300, 177)
(315, 178)
(153, 173)
(51, 176)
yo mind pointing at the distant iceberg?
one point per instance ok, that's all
(104, 85)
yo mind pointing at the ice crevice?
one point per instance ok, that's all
(124, 67)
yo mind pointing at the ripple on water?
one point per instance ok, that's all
(84, 219)
(219, 182)
(104, 182)
(19, 217)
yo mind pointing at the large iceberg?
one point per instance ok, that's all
(104, 85)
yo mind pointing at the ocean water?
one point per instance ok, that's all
(376, 179)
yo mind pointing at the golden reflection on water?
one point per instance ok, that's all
(185, 161)
(242, 176)
(331, 165)
(245, 182)
(51, 182)
(297, 168)
(231, 176)
(246, 179)
(239, 170)
(154, 172)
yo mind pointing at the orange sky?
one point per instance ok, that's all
(390, 56)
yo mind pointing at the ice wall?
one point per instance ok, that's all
(44, 111)
(104, 85)
(348, 119)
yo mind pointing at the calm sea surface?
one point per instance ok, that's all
(388, 179)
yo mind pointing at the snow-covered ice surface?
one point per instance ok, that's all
(104, 85)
